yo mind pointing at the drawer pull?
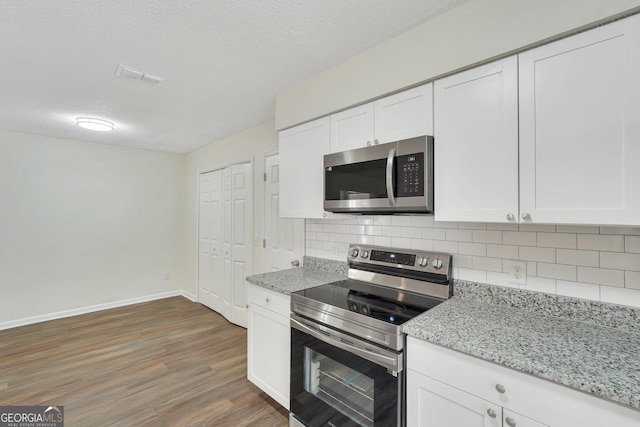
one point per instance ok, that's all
(491, 413)
(510, 422)
(500, 388)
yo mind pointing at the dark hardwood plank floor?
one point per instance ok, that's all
(169, 362)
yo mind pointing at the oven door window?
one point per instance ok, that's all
(340, 386)
(333, 387)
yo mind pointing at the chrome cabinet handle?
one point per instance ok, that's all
(526, 216)
(368, 143)
(511, 217)
(268, 300)
(295, 263)
(247, 305)
(390, 195)
(500, 388)
(510, 422)
(491, 413)
(375, 142)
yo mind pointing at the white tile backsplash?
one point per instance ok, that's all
(577, 257)
(532, 253)
(597, 263)
(557, 240)
(601, 242)
(519, 238)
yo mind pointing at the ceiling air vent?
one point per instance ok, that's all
(139, 75)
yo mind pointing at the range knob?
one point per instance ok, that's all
(437, 263)
(354, 252)
(364, 254)
(422, 261)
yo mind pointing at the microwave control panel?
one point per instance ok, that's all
(410, 175)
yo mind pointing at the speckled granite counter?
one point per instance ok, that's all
(601, 361)
(587, 345)
(315, 272)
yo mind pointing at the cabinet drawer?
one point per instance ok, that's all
(271, 300)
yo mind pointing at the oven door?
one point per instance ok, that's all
(338, 380)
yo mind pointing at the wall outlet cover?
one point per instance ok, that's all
(518, 272)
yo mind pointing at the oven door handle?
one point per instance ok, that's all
(389, 177)
(393, 363)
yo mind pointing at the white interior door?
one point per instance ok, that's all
(283, 237)
(227, 255)
(241, 225)
(209, 242)
(225, 240)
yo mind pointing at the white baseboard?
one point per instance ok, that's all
(92, 308)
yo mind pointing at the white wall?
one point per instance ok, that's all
(84, 224)
(471, 33)
(250, 144)
(596, 263)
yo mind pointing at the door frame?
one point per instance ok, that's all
(263, 250)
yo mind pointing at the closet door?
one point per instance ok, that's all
(225, 240)
(241, 226)
(227, 244)
(210, 239)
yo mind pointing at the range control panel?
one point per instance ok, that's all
(434, 262)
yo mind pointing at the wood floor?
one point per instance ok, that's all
(170, 362)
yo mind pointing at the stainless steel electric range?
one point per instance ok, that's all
(347, 345)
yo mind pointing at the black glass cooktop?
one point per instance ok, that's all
(386, 304)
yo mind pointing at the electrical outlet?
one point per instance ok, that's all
(518, 274)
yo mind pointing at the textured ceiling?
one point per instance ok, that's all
(223, 61)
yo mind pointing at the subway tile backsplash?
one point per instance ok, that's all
(595, 263)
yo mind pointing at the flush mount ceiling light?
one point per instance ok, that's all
(94, 124)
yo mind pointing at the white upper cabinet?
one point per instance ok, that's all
(550, 137)
(580, 128)
(403, 115)
(476, 144)
(352, 128)
(302, 149)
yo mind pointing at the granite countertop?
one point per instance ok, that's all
(586, 345)
(601, 361)
(315, 272)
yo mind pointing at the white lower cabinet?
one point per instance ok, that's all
(435, 404)
(269, 342)
(446, 388)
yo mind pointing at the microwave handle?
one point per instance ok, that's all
(390, 195)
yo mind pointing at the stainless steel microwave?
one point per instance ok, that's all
(396, 177)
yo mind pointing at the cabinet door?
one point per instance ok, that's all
(352, 128)
(580, 127)
(302, 151)
(431, 403)
(512, 419)
(476, 144)
(404, 115)
(268, 348)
